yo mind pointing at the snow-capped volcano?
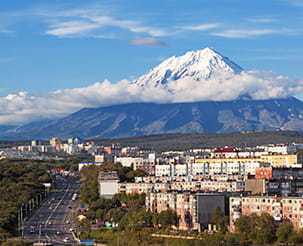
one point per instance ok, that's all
(198, 65)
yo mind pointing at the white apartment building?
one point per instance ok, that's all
(146, 164)
(229, 166)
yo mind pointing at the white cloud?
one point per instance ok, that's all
(147, 41)
(89, 23)
(24, 107)
(241, 33)
(262, 20)
(70, 28)
(6, 31)
(258, 85)
(297, 3)
(202, 27)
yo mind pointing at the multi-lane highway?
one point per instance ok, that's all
(53, 221)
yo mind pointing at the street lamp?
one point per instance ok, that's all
(20, 220)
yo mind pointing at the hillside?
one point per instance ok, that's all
(178, 141)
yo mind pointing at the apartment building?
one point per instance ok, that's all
(184, 204)
(276, 160)
(189, 185)
(279, 172)
(146, 164)
(108, 184)
(280, 208)
(140, 187)
(241, 166)
(195, 210)
(279, 187)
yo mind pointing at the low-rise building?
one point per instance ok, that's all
(108, 184)
(84, 164)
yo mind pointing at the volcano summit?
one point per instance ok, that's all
(201, 91)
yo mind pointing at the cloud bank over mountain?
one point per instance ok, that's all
(197, 76)
(23, 107)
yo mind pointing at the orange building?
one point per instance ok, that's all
(263, 173)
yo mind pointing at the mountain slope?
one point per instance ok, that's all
(202, 75)
(148, 118)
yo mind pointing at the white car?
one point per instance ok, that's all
(66, 239)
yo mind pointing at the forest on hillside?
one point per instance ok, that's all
(184, 141)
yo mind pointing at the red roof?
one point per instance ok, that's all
(57, 170)
(224, 150)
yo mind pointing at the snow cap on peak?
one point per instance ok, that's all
(197, 65)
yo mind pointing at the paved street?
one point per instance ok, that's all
(53, 221)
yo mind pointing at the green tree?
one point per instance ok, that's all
(296, 237)
(265, 230)
(143, 217)
(255, 228)
(220, 220)
(244, 226)
(168, 218)
(16, 242)
(115, 215)
(284, 231)
(89, 191)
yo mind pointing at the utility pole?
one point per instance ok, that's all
(19, 224)
(39, 234)
(21, 221)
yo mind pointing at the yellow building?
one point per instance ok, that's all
(280, 160)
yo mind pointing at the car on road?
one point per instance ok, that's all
(66, 239)
(72, 229)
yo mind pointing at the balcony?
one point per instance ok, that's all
(237, 215)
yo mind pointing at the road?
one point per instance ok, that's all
(53, 221)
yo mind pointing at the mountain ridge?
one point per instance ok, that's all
(182, 81)
(135, 119)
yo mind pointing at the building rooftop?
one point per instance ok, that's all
(108, 175)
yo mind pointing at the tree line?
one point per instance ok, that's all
(21, 181)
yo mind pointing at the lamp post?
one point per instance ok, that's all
(21, 221)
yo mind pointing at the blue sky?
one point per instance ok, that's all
(52, 45)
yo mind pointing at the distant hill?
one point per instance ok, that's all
(179, 141)
(186, 141)
(139, 119)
